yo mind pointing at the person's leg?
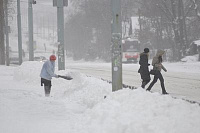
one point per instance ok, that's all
(152, 83)
(162, 83)
(144, 83)
(47, 88)
(47, 91)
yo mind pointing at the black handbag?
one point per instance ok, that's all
(153, 72)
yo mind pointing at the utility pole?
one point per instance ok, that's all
(43, 27)
(19, 32)
(53, 29)
(30, 29)
(48, 27)
(60, 31)
(2, 45)
(116, 54)
(7, 31)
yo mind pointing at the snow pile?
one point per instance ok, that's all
(138, 111)
(28, 71)
(88, 92)
(190, 58)
(81, 89)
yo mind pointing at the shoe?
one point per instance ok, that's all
(147, 89)
(165, 93)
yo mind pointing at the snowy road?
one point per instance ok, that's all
(181, 82)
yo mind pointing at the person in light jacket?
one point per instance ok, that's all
(144, 67)
(47, 73)
(157, 65)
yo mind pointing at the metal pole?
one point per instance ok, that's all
(60, 23)
(19, 32)
(30, 29)
(116, 45)
(53, 30)
(48, 27)
(43, 29)
(7, 34)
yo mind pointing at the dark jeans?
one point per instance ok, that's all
(47, 86)
(47, 90)
(156, 77)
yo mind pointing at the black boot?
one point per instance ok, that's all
(143, 84)
(165, 93)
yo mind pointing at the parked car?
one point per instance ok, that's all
(40, 58)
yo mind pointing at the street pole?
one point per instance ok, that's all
(43, 29)
(60, 31)
(19, 32)
(7, 29)
(116, 54)
(53, 29)
(30, 29)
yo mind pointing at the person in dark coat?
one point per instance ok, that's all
(157, 66)
(144, 67)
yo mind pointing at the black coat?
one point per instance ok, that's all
(144, 67)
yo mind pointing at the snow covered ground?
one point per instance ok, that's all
(80, 106)
(182, 79)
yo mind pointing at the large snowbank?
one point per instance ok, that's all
(29, 71)
(137, 111)
(78, 106)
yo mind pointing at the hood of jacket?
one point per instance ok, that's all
(160, 52)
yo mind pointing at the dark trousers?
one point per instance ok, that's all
(156, 77)
(47, 86)
(47, 90)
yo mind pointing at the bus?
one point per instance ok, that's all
(130, 50)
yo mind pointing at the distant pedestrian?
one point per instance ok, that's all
(45, 48)
(157, 66)
(144, 67)
(47, 73)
